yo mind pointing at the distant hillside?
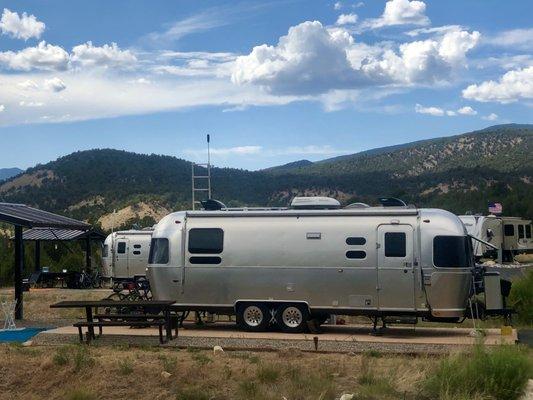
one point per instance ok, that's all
(458, 173)
(290, 166)
(6, 173)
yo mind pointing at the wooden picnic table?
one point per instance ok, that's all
(162, 306)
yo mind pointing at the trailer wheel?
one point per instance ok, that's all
(253, 317)
(292, 318)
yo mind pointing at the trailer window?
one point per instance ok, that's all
(528, 231)
(395, 244)
(355, 241)
(121, 247)
(105, 251)
(356, 254)
(205, 260)
(206, 240)
(508, 230)
(520, 231)
(158, 251)
(452, 251)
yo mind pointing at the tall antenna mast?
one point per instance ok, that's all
(196, 186)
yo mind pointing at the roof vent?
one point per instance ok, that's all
(357, 205)
(315, 203)
(391, 202)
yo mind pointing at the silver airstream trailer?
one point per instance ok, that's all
(510, 235)
(125, 254)
(286, 266)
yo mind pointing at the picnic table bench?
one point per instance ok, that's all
(147, 313)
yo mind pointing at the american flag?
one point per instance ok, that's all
(495, 208)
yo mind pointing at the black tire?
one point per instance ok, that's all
(292, 318)
(253, 317)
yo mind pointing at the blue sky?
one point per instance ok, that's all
(272, 82)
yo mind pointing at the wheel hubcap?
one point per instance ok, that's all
(253, 316)
(292, 317)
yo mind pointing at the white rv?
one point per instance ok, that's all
(511, 235)
(125, 254)
(288, 266)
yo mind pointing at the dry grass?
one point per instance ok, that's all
(84, 372)
(119, 372)
(37, 302)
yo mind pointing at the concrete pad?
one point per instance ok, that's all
(346, 338)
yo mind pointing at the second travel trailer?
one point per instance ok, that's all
(511, 235)
(288, 266)
(125, 254)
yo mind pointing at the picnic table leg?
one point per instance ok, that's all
(80, 332)
(168, 324)
(89, 311)
(161, 334)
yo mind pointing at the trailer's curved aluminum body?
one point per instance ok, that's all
(351, 261)
(125, 254)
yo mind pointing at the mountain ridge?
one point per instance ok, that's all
(461, 172)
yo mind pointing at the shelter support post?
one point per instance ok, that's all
(19, 267)
(37, 255)
(88, 254)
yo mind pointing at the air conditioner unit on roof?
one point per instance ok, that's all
(315, 203)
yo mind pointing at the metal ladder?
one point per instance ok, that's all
(198, 185)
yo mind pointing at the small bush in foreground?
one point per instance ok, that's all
(80, 394)
(61, 356)
(521, 299)
(125, 366)
(268, 373)
(500, 373)
(82, 358)
(194, 393)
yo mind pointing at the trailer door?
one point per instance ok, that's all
(396, 278)
(121, 258)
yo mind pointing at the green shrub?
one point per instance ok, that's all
(201, 358)
(80, 394)
(267, 373)
(125, 366)
(169, 363)
(521, 298)
(500, 373)
(193, 393)
(248, 389)
(61, 356)
(82, 358)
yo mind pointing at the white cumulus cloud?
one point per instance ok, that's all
(490, 117)
(314, 59)
(28, 84)
(512, 86)
(435, 111)
(345, 19)
(400, 12)
(466, 110)
(521, 39)
(439, 112)
(44, 56)
(21, 27)
(87, 55)
(2, 108)
(54, 84)
(31, 103)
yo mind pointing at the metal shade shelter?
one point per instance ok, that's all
(39, 235)
(23, 216)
